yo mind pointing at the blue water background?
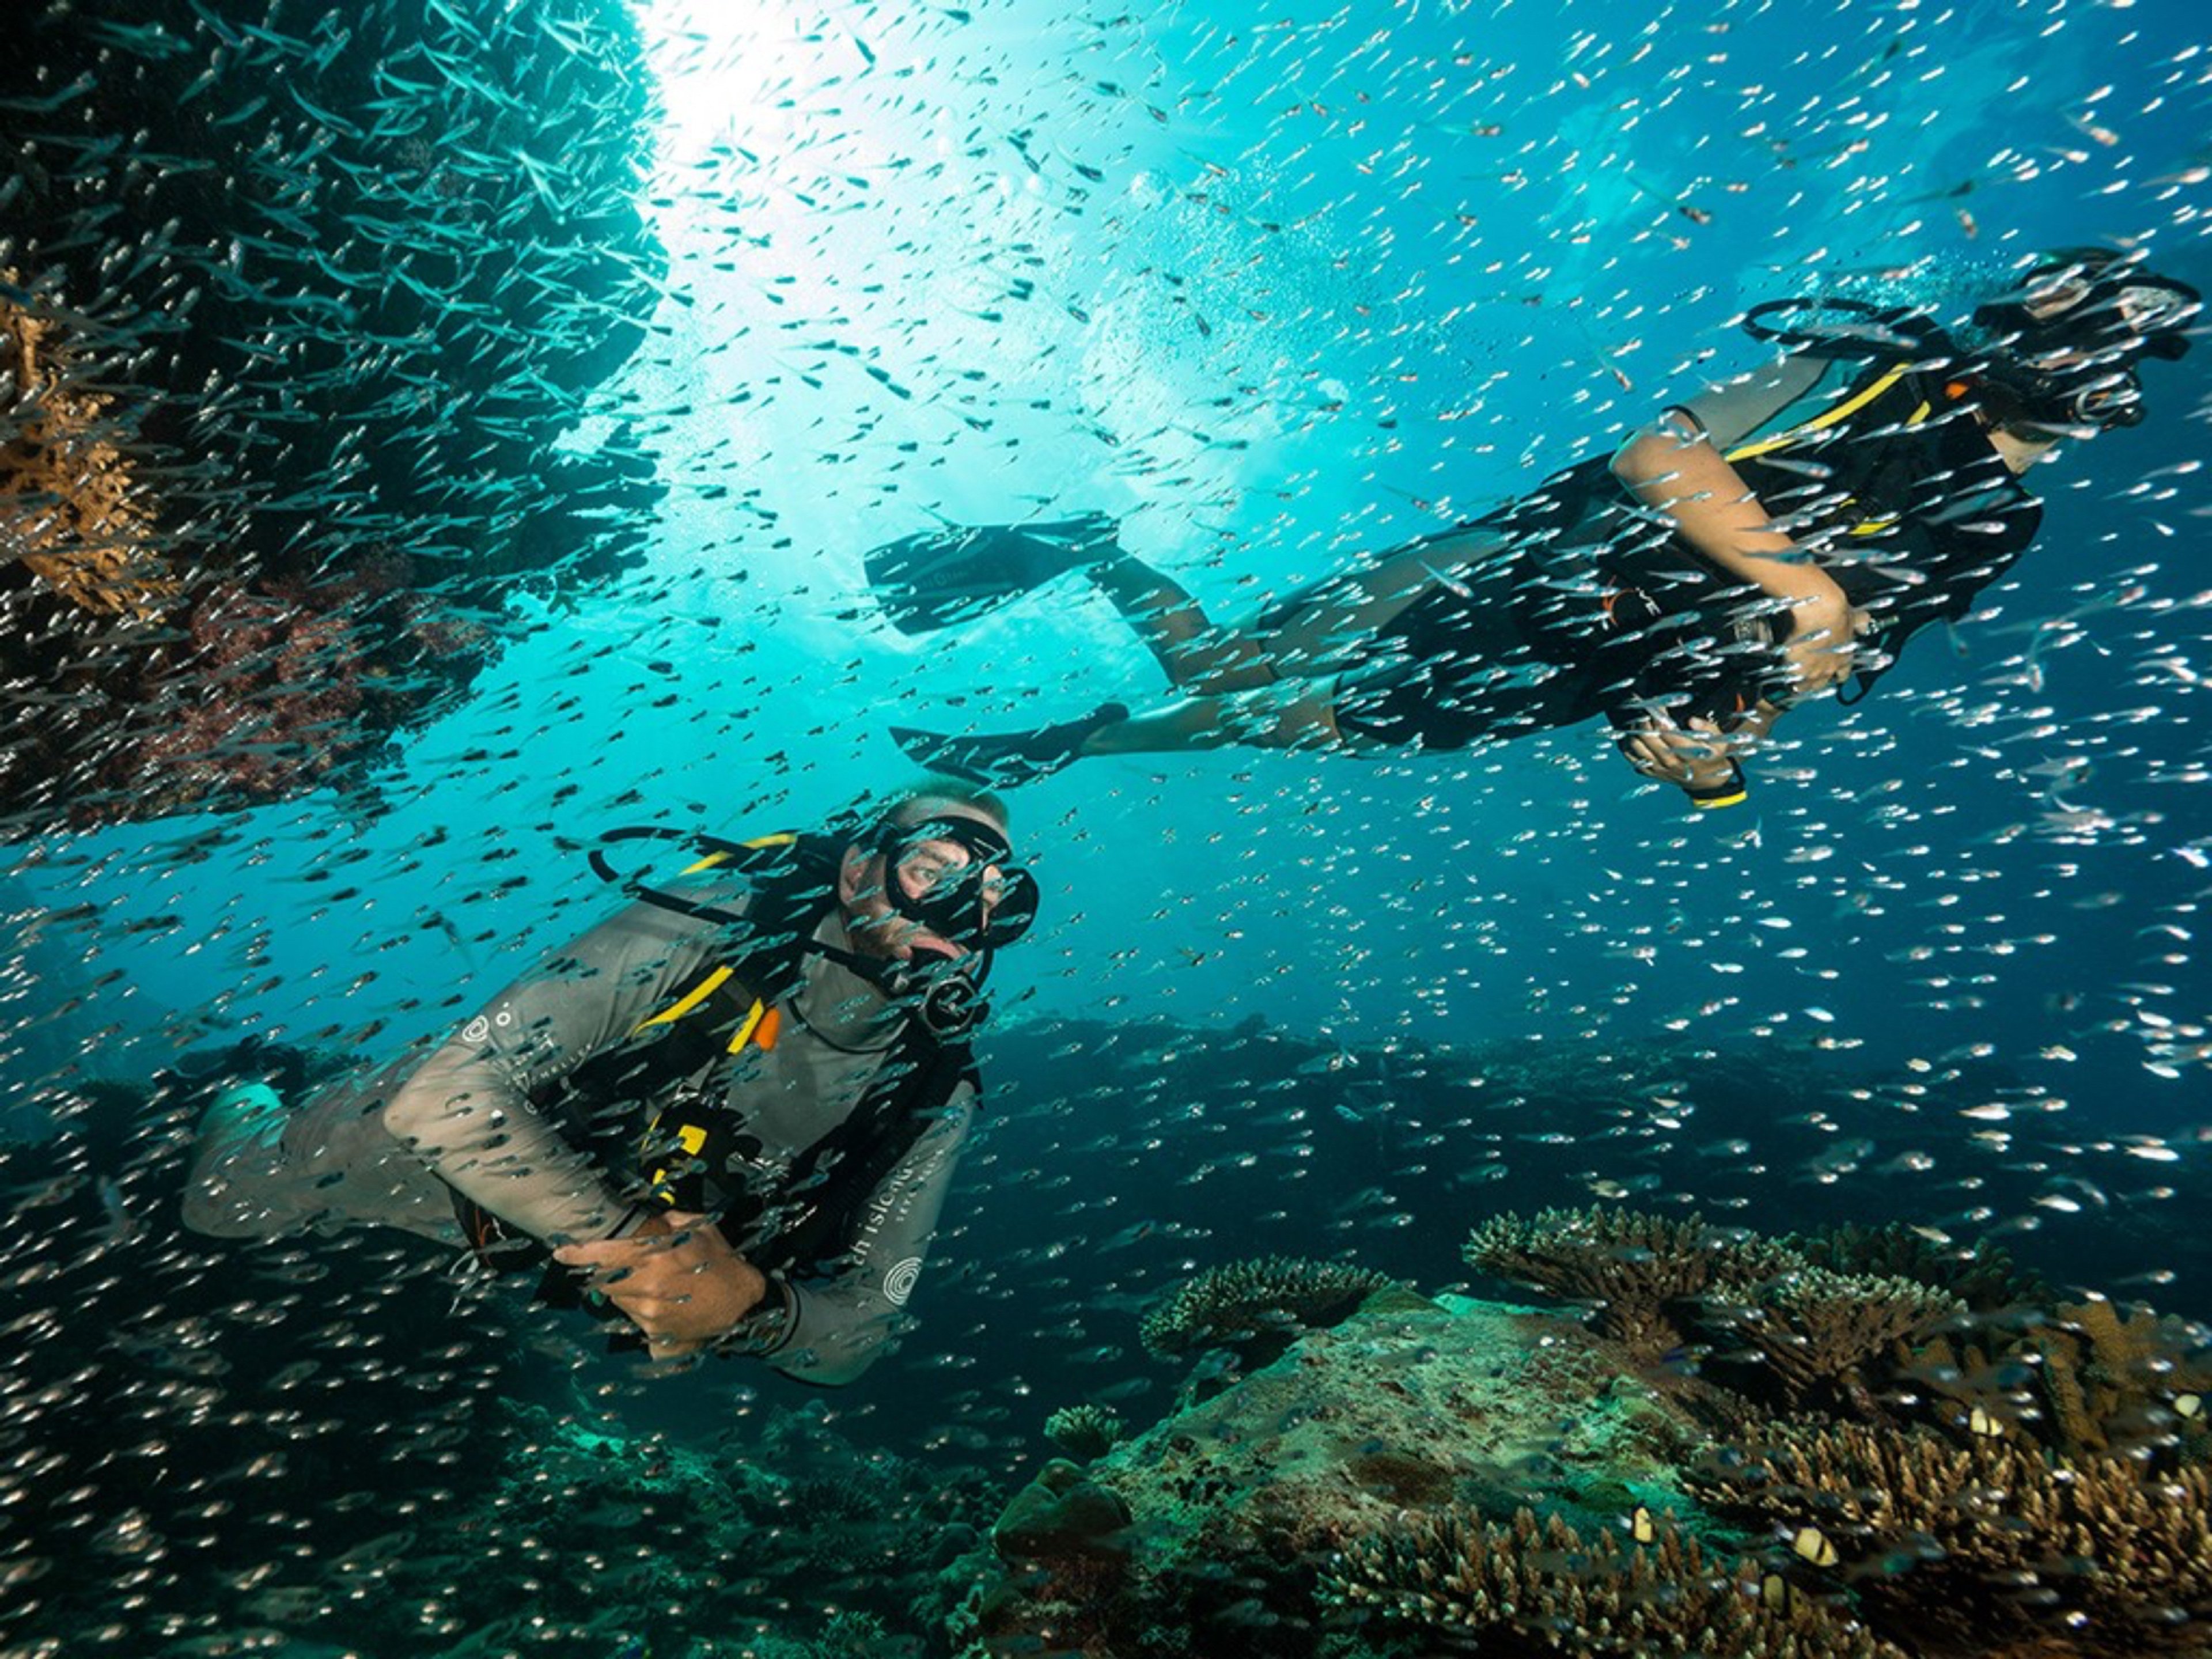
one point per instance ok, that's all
(1277, 288)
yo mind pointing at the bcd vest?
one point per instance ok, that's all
(694, 1154)
(1911, 510)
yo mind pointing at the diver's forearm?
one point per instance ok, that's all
(481, 1137)
(1717, 514)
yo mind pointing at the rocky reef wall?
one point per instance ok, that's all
(297, 307)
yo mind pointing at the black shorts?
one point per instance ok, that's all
(1460, 667)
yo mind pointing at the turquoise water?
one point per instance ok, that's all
(1260, 405)
(1276, 289)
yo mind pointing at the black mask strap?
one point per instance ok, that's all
(944, 998)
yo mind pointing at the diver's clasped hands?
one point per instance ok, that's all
(1701, 758)
(1824, 631)
(1697, 757)
(675, 1277)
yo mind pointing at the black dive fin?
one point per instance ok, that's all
(1003, 760)
(939, 577)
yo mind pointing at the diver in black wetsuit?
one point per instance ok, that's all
(1778, 538)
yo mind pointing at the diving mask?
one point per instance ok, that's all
(2075, 338)
(981, 902)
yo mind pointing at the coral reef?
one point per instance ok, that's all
(573, 1538)
(72, 511)
(1063, 1517)
(1752, 1305)
(1256, 1306)
(178, 1409)
(1985, 1277)
(1635, 1271)
(1991, 1544)
(2082, 1377)
(1812, 1330)
(1465, 1476)
(1083, 1432)
(1456, 1577)
(1405, 1407)
(279, 415)
(343, 1462)
(842, 1635)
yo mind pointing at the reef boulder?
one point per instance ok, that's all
(1234, 1503)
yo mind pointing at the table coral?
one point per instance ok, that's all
(1255, 1304)
(1635, 1270)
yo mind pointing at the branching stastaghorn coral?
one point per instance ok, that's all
(1984, 1277)
(1989, 1539)
(1256, 1303)
(2086, 1378)
(1658, 1285)
(1637, 1271)
(1457, 1577)
(2117, 1381)
(1813, 1329)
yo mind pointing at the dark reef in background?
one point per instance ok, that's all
(200, 1437)
(295, 304)
(1116, 1159)
(187, 1420)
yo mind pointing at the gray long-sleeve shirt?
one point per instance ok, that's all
(467, 1111)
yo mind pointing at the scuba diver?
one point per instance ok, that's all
(1778, 538)
(728, 1113)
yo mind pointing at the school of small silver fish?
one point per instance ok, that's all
(433, 432)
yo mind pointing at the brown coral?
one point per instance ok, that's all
(1657, 1285)
(1454, 1576)
(1813, 1330)
(2112, 1377)
(1633, 1269)
(1256, 1304)
(71, 510)
(2088, 1378)
(1984, 1277)
(1991, 1543)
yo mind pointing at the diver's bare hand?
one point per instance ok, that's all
(675, 1277)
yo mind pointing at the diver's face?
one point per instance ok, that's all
(2098, 359)
(927, 869)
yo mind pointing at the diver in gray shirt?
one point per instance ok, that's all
(728, 1113)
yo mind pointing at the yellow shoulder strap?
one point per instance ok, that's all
(756, 844)
(1842, 411)
(677, 1010)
